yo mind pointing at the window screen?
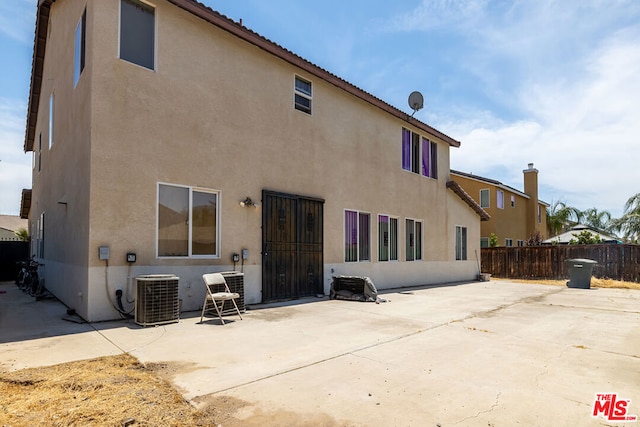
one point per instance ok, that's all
(137, 33)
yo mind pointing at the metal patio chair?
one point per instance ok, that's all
(217, 294)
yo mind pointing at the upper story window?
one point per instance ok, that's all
(500, 199)
(484, 198)
(303, 95)
(137, 33)
(188, 222)
(508, 242)
(513, 201)
(38, 156)
(539, 214)
(419, 155)
(52, 102)
(79, 48)
(357, 236)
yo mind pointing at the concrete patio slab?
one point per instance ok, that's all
(485, 353)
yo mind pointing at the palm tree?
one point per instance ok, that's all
(629, 224)
(22, 234)
(559, 216)
(598, 220)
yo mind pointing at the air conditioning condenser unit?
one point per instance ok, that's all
(157, 299)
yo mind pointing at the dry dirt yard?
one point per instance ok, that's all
(120, 391)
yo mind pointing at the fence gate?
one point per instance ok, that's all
(292, 246)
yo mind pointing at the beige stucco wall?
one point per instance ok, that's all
(217, 113)
(508, 222)
(61, 186)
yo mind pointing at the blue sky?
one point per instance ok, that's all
(554, 83)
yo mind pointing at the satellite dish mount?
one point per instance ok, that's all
(416, 101)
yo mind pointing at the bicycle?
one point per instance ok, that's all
(22, 273)
(28, 279)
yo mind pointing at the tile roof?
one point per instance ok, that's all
(12, 222)
(455, 187)
(209, 15)
(494, 182)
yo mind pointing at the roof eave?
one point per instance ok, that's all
(227, 24)
(221, 21)
(25, 204)
(458, 190)
(37, 66)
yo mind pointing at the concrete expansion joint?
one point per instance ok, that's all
(327, 359)
(113, 343)
(486, 411)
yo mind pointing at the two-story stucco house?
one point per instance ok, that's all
(514, 215)
(163, 129)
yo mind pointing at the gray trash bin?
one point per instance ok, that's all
(580, 271)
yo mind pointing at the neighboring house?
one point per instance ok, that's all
(165, 130)
(9, 225)
(515, 215)
(572, 235)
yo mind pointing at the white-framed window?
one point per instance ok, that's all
(357, 236)
(539, 214)
(302, 95)
(188, 222)
(508, 242)
(79, 48)
(520, 243)
(500, 199)
(138, 33)
(461, 243)
(33, 232)
(419, 154)
(484, 242)
(484, 198)
(52, 103)
(38, 155)
(413, 239)
(387, 238)
(513, 201)
(40, 237)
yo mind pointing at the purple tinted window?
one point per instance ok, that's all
(406, 149)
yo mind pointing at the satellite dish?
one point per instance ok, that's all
(416, 101)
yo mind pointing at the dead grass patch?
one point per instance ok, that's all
(595, 283)
(120, 391)
(106, 391)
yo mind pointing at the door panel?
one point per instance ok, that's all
(292, 258)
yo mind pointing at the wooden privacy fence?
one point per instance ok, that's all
(617, 262)
(10, 253)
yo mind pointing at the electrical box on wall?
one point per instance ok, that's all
(103, 253)
(235, 257)
(245, 254)
(131, 257)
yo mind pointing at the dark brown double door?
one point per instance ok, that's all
(292, 249)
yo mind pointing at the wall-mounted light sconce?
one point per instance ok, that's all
(248, 203)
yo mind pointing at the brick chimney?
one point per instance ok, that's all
(531, 190)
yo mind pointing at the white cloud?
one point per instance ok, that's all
(582, 131)
(550, 82)
(434, 14)
(15, 165)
